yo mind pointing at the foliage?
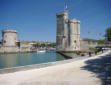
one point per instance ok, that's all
(97, 49)
(108, 34)
(103, 47)
(36, 45)
(101, 41)
(44, 45)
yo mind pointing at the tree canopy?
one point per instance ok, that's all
(45, 45)
(108, 34)
(101, 41)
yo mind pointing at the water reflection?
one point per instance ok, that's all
(12, 60)
(21, 59)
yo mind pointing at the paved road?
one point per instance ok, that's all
(101, 67)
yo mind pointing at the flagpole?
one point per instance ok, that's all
(66, 6)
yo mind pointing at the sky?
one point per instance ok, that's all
(36, 19)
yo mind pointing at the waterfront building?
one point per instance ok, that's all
(68, 33)
(86, 44)
(9, 37)
(10, 43)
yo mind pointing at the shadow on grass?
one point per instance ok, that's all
(101, 67)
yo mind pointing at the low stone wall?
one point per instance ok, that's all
(66, 56)
(13, 49)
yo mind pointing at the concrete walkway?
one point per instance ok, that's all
(64, 74)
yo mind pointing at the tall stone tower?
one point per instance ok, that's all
(74, 35)
(62, 31)
(9, 37)
(68, 33)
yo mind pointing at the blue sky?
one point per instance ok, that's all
(36, 19)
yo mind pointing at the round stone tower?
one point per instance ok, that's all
(74, 34)
(9, 37)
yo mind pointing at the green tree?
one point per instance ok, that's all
(42, 45)
(36, 45)
(101, 41)
(108, 34)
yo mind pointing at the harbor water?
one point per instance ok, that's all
(22, 59)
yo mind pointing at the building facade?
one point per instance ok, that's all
(87, 44)
(68, 33)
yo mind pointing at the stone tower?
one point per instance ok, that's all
(62, 31)
(9, 37)
(68, 33)
(74, 35)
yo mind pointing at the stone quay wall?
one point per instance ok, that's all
(13, 49)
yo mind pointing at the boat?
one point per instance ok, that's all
(41, 51)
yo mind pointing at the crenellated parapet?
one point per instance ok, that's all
(9, 31)
(74, 21)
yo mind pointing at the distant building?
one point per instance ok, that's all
(68, 33)
(86, 44)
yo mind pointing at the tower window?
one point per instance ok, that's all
(64, 36)
(4, 41)
(74, 41)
